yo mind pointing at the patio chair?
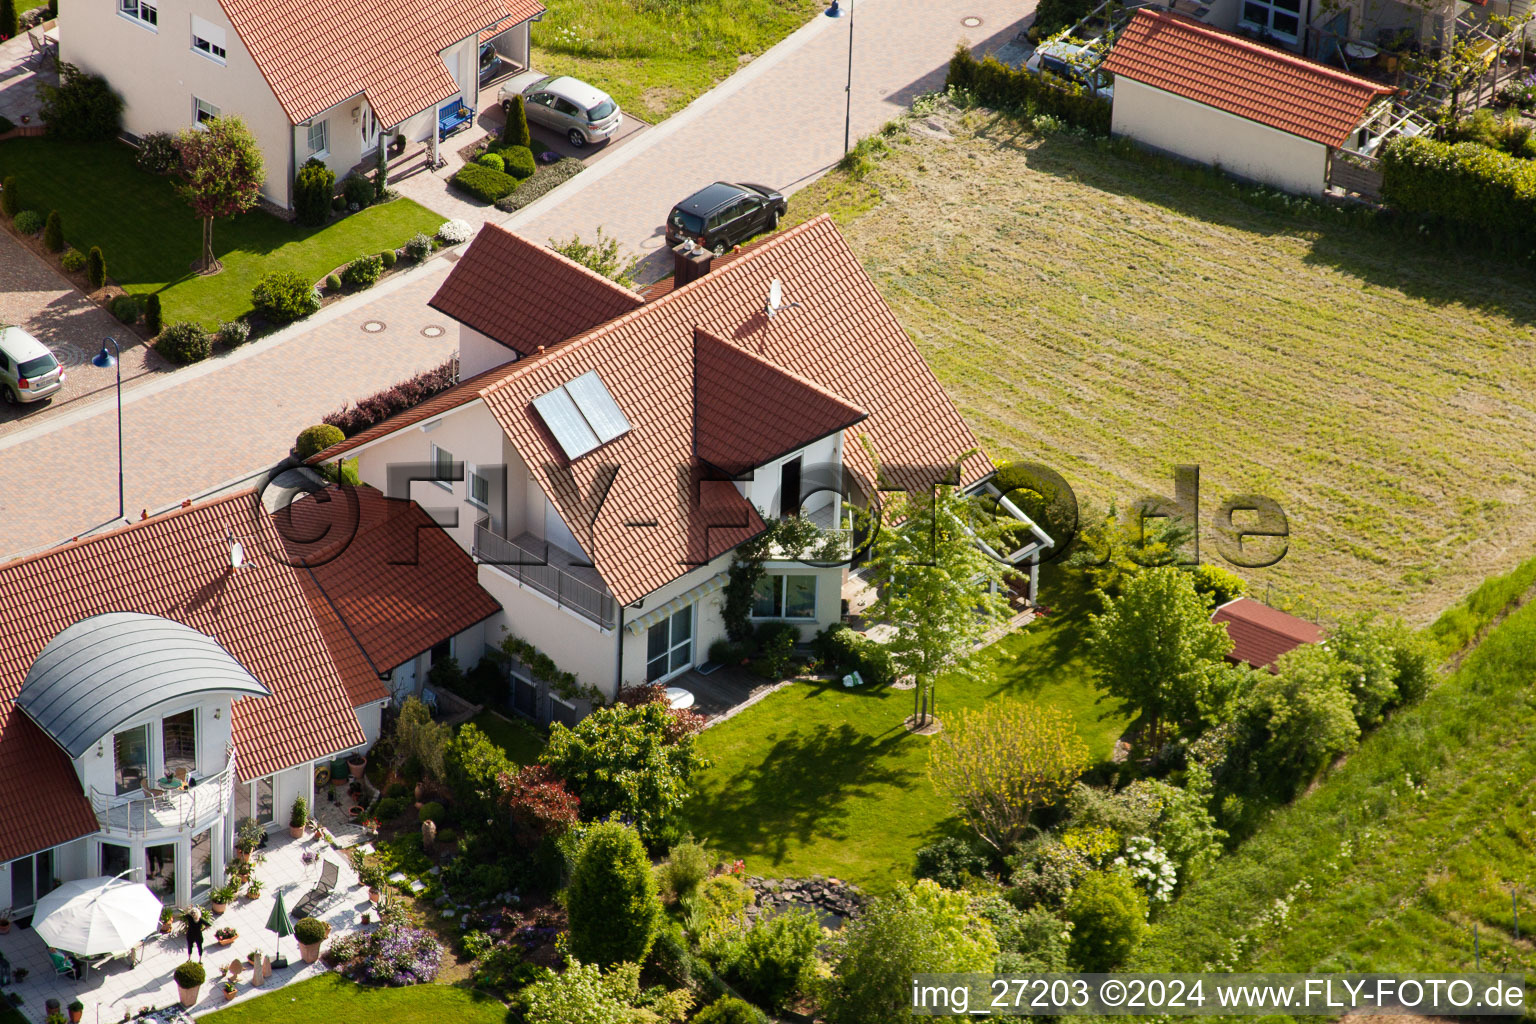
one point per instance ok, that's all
(156, 797)
(429, 698)
(63, 963)
(41, 52)
(330, 873)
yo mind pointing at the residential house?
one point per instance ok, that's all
(608, 452)
(1205, 95)
(1261, 634)
(337, 83)
(217, 644)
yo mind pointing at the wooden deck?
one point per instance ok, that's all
(721, 690)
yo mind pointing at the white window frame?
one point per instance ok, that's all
(210, 50)
(779, 581)
(1273, 8)
(472, 477)
(437, 462)
(199, 107)
(674, 645)
(325, 138)
(136, 11)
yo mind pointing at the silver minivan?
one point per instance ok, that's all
(28, 371)
(581, 112)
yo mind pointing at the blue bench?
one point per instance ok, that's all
(453, 116)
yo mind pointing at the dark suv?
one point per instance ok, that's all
(724, 215)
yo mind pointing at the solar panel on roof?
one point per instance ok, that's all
(565, 421)
(597, 405)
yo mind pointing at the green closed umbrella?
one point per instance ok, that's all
(278, 922)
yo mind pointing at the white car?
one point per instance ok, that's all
(582, 113)
(1077, 63)
(28, 371)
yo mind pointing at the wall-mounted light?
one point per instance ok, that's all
(217, 712)
(99, 751)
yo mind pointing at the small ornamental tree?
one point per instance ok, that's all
(53, 232)
(313, 189)
(612, 901)
(152, 313)
(516, 132)
(96, 267)
(601, 255)
(381, 176)
(537, 802)
(82, 107)
(10, 24)
(221, 173)
(997, 764)
(10, 196)
(472, 764)
(1109, 916)
(1298, 720)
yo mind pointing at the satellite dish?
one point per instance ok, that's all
(236, 552)
(775, 298)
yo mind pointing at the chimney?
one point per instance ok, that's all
(690, 261)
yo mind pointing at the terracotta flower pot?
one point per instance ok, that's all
(355, 765)
(310, 951)
(229, 941)
(296, 831)
(373, 895)
(5, 927)
(188, 996)
(219, 908)
(230, 993)
(75, 1015)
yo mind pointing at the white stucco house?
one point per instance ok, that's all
(336, 81)
(1260, 113)
(608, 451)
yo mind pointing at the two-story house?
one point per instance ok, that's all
(337, 82)
(608, 452)
(165, 681)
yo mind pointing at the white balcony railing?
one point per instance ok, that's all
(188, 810)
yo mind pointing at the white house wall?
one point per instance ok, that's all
(158, 73)
(1172, 124)
(213, 735)
(478, 353)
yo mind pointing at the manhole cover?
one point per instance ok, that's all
(971, 22)
(70, 354)
(654, 242)
(373, 326)
(432, 331)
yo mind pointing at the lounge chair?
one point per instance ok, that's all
(330, 872)
(64, 964)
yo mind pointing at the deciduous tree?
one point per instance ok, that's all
(998, 764)
(221, 173)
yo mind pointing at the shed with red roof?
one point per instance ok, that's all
(1261, 634)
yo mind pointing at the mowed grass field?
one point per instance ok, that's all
(1111, 319)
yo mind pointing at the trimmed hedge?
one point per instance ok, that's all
(493, 161)
(408, 393)
(126, 308)
(53, 232)
(997, 85)
(1463, 183)
(73, 261)
(316, 439)
(541, 184)
(283, 296)
(313, 191)
(184, 342)
(29, 222)
(519, 161)
(362, 272)
(484, 183)
(358, 190)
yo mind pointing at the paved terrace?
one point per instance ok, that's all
(109, 991)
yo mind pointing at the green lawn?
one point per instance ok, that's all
(655, 56)
(329, 999)
(520, 740)
(150, 238)
(821, 780)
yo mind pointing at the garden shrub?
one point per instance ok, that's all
(485, 684)
(844, 651)
(389, 258)
(1463, 183)
(339, 203)
(313, 189)
(546, 181)
(362, 272)
(397, 790)
(157, 153)
(1216, 584)
(357, 190)
(310, 930)
(152, 314)
(472, 765)
(190, 974)
(10, 196)
(1109, 917)
(483, 183)
(1051, 16)
(316, 439)
(333, 283)
(1028, 941)
(391, 807)
(96, 267)
(126, 308)
(516, 131)
(452, 232)
(729, 1010)
(82, 107)
(1000, 86)
(284, 296)
(491, 160)
(432, 811)
(418, 247)
(73, 261)
(53, 232)
(772, 961)
(519, 161)
(612, 902)
(399, 955)
(686, 866)
(29, 222)
(950, 861)
(6, 124)
(10, 24)
(776, 644)
(1298, 720)
(233, 333)
(408, 393)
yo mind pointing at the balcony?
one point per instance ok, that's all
(190, 810)
(835, 543)
(553, 572)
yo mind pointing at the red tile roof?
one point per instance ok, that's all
(560, 297)
(1261, 634)
(399, 584)
(316, 56)
(842, 337)
(748, 412)
(1241, 77)
(176, 566)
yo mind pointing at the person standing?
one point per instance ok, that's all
(195, 931)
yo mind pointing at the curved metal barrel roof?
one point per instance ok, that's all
(107, 669)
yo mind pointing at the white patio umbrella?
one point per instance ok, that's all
(91, 916)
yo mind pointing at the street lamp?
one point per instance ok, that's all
(104, 359)
(836, 11)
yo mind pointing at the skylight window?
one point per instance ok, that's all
(582, 415)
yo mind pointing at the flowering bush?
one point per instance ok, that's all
(398, 956)
(418, 247)
(1150, 867)
(455, 231)
(1520, 94)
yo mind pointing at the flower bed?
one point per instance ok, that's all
(394, 955)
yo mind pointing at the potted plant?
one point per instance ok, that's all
(248, 838)
(20, 975)
(222, 897)
(5, 920)
(297, 817)
(53, 1017)
(310, 932)
(229, 989)
(226, 936)
(399, 143)
(167, 920)
(253, 889)
(189, 982)
(355, 764)
(76, 1011)
(373, 877)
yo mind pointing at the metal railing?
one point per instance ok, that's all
(537, 571)
(136, 814)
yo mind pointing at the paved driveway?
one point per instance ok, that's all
(34, 297)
